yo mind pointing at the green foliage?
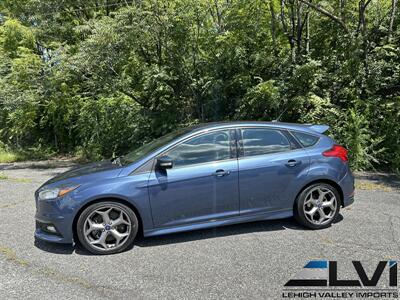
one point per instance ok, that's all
(260, 102)
(357, 137)
(14, 37)
(38, 152)
(102, 129)
(97, 78)
(7, 157)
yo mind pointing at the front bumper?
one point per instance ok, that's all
(57, 214)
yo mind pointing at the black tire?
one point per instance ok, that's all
(299, 207)
(130, 230)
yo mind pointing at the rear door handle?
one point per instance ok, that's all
(221, 173)
(292, 163)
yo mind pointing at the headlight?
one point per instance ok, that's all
(48, 194)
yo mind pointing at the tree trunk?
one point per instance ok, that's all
(342, 13)
(307, 33)
(273, 25)
(325, 12)
(392, 16)
(299, 27)
(292, 33)
(362, 25)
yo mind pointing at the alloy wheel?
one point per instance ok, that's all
(107, 228)
(320, 205)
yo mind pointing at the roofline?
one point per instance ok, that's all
(200, 128)
(229, 124)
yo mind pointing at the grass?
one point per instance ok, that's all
(20, 180)
(369, 185)
(9, 157)
(12, 256)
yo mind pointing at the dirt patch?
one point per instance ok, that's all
(370, 185)
(377, 181)
(12, 256)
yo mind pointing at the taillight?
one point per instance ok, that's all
(337, 151)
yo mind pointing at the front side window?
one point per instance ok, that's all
(209, 147)
(152, 146)
(259, 141)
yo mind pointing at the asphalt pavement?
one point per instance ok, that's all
(243, 261)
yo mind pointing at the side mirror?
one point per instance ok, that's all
(164, 162)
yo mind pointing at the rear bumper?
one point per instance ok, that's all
(347, 185)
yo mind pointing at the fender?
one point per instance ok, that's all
(131, 189)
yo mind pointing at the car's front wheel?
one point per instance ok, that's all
(107, 227)
(317, 206)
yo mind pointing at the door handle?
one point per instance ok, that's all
(292, 163)
(221, 173)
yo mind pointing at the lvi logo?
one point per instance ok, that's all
(323, 273)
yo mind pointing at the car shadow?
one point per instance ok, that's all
(188, 236)
(236, 229)
(54, 247)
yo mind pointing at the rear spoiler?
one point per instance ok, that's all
(319, 128)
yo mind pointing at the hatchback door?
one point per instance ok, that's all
(270, 165)
(201, 186)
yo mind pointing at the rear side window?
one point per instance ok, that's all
(307, 140)
(258, 141)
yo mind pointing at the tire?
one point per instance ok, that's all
(317, 206)
(107, 227)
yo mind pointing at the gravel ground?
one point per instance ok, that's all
(243, 261)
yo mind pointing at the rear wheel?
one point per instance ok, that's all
(317, 206)
(107, 227)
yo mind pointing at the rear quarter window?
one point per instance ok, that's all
(305, 139)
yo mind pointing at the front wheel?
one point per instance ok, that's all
(317, 206)
(107, 227)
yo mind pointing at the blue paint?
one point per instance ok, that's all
(193, 197)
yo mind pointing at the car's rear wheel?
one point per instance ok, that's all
(317, 206)
(107, 227)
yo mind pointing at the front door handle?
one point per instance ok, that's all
(221, 173)
(292, 163)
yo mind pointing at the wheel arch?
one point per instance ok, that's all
(104, 199)
(322, 180)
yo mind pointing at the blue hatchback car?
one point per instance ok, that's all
(199, 177)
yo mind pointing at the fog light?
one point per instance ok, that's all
(51, 228)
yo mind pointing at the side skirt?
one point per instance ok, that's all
(280, 214)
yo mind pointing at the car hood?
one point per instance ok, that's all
(94, 171)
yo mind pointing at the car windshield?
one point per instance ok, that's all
(150, 147)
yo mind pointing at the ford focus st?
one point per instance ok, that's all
(199, 177)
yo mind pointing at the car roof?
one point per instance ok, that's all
(316, 129)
